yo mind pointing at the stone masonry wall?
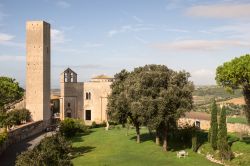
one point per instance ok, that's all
(205, 125)
(19, 134)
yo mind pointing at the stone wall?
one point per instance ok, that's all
(205, 125)
(23, 132)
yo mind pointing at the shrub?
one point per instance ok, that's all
(70, 127)
(24, 115)
(3, 136)
(3, 117)
(93, 125)
(52, 150)
(16, 117)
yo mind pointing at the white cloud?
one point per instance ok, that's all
(201, 45)
(92, 45)
(83, 66)
(5, 37)
(176, 30)
(4, 58)
(140, 39)
(203, 72)
(139, 20)
(203, 76)
(63, 4)
(173, 4)
(57, 36)
(129, 28)
(220, 11)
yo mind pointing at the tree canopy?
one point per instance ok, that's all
(10, 91)
(151, 95)
(236, 74)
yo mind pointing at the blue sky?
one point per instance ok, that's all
(104, 36)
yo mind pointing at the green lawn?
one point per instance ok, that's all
(113, 147)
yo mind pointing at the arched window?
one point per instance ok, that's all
(71, 77)
(65, 77)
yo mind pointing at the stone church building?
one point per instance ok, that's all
(84, 100)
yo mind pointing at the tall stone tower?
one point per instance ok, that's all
(38, 70)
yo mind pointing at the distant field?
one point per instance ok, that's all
(236, 101)
(241, 120)
(203, 95)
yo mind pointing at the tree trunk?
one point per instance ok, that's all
(165, 140)
(138, 134)
(157, 137)
(107, 125)
(246, 93)
(128, 126)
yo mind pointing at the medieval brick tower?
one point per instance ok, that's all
(38, 70)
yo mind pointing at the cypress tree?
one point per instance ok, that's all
(223, 147)
(213, 125)
(194, 139)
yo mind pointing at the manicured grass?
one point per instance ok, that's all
(113, 147)
(241, 120)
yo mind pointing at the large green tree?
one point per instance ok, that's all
(236, 74)
(152, 95)
(9, 91)
(176, 99)
(117, 101)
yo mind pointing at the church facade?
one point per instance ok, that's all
(84, 100)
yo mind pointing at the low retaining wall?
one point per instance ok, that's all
(205, 125)
(23, 132)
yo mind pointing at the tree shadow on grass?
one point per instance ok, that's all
(79, 137)
(246, 140)
(80, 151)
(173, 144)
(144, 137)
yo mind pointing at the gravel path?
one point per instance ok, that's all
(9, 156)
